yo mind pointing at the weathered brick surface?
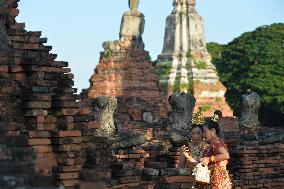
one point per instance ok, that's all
(211, 103)
(259, 166)
(126, 170)
(128, 75)
(37, 109)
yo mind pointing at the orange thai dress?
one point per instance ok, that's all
(219, 175)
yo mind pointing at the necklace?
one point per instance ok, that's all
(197, 150)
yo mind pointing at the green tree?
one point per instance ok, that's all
(255, 61)
(215, 50)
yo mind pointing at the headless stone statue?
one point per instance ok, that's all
(249, 123)
(250, 126)
(133, 5)
(103, 109)
(182, 109)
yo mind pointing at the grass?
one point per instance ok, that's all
(190, 86)
(205, 108)
(176, 86)
(218, 99)
(188, 54)
(187, 65)
(184, 86)
(187, 86)
(108, 54)
(201, 65)
(163, 69)
(164, 85)
(197, 82)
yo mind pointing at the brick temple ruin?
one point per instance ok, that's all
(51, 138)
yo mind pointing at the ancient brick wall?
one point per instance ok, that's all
(38, 105)
(230, 131)
(259, 166)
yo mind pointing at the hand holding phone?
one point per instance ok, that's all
(185, 151)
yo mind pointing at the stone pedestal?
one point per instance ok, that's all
(174, 154)
(126, 171)
(175, 178)
(177, 182)
(136, 156)
(131, 30)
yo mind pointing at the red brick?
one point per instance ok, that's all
(43, 149)
(61, 134)
(178, 179)
(67, 175)
(39, 141)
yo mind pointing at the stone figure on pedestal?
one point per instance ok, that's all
(182, 109)
(250, 126)
(102, 110)
(249, 123)
(133, 5)
(131, 30)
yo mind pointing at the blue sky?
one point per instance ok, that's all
(76, 29)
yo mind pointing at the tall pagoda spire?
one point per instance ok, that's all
(185, 64)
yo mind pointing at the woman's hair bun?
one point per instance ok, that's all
(219, 113)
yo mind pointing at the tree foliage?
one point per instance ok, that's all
(255, 61)
(215, 50)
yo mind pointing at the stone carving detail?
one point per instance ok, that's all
(249, 123)
(103, 109)
(182, 109)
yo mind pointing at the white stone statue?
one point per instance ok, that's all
(133, 5)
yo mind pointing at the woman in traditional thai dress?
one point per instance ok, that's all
(191, 154)
(217, 155)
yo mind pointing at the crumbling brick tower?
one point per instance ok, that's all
(126, 71)
(39, 144)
